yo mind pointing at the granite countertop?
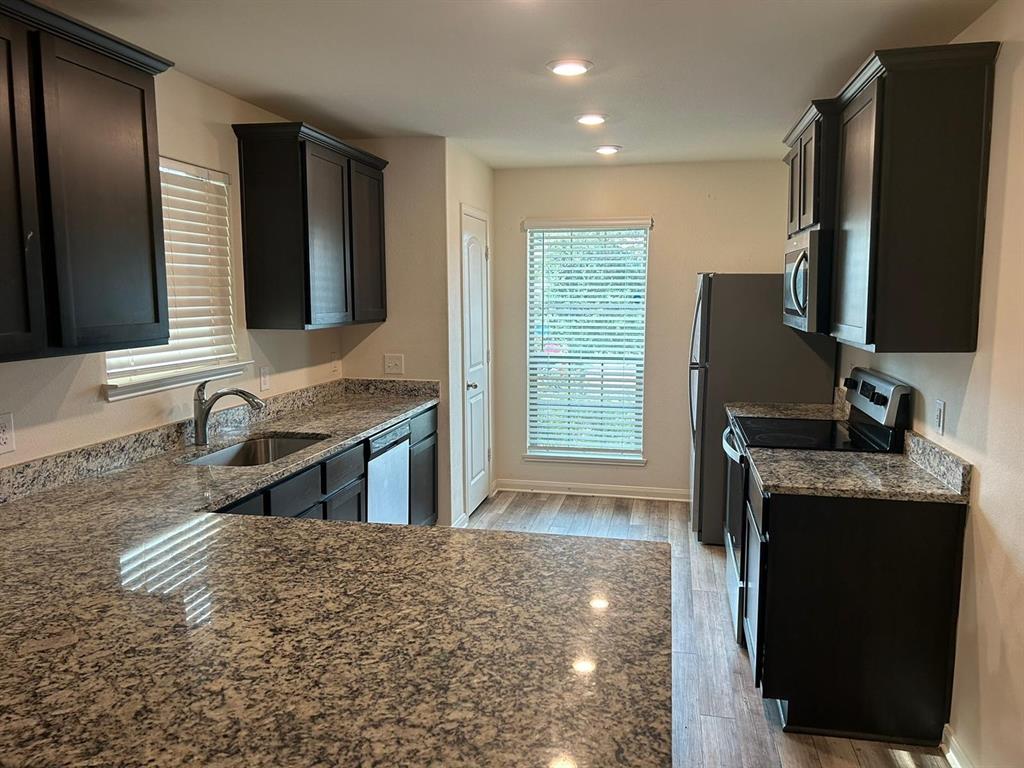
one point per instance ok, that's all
(147, 637)
(167, 482)
(924, 472)
(139, 628)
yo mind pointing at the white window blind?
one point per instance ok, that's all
(198, 253)
(586, 323)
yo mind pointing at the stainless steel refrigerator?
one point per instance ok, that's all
(740, 351)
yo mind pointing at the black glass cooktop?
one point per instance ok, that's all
(808, 434)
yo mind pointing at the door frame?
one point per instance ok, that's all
(475, 213)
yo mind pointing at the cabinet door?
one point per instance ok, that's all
(330, 282)
(348, 504)
(793, 206)
(853, 304)
(22, 319)
(753, 595)
(367, 205)
(100, 127)
(423, 482)
(808, 169)
(250, 506)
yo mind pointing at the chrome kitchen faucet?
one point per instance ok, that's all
(201, 405)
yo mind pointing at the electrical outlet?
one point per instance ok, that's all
(6, 432)
(394, 364)
(264, 378)
(940, 416)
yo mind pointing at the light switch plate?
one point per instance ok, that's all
(940, 416)
(394, 363)
(264, 378)
(6, 432)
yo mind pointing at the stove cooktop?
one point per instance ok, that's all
(806, 434)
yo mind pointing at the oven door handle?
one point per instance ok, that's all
(730, 447)
(804, 259)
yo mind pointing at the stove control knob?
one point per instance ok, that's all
(879, 399)
(850, 383)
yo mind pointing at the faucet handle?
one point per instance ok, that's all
(200, 394)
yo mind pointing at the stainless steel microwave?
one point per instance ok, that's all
(806, 284)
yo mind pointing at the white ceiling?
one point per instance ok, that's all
(681, 80)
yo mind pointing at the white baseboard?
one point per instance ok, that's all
(593, 489)
(461, 521)
(955, 755)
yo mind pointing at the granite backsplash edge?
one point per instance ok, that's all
(47, 472)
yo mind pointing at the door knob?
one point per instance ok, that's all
(471, 385)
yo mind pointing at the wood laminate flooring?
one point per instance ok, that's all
(719, 719)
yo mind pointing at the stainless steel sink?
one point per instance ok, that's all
(259, 450)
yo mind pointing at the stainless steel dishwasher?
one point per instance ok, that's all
(387, 474)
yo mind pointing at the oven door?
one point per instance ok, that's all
(735, 521)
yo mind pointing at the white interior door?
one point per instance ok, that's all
(476, 346)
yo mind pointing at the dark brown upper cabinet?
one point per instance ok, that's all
(81, 233)
(811, 163)
(22, 305)
(313, 228)
(912, 183)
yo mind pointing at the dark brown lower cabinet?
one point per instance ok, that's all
(851, 613)
(423, 482)
(251, 506)
(348, 504)
(316, 512)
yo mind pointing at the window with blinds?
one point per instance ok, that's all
(586, 323)
(198, 253)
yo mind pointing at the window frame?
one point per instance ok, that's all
(127, 386)
(585, 455)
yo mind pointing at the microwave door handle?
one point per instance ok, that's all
(793, 276)
(729, 447)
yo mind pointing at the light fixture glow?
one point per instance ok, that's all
(607, 149)
(583, 666)
(570, 67)
(591, 118)
(599, 603)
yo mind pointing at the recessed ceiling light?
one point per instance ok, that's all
(607, 149)
(591, 118)
(570, 67)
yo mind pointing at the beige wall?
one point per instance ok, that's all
(425, 182)
(728, 217)
(984, 394)
(416, 242)
(469, 182)
(57, 403)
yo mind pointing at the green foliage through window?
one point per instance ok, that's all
(586, 322)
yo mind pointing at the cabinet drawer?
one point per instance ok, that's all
(296, 494)
(423, 425)
(251, 506)
(316, 512)
(348, 504)
(344, 468)
(755, 500)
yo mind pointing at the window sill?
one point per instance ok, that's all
(631, 461)
(161, 383)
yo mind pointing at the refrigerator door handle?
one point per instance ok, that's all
(730, 447)
(693, 328)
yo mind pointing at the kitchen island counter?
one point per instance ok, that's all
(145, 636)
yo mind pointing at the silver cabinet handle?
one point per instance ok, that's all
(471, 385)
